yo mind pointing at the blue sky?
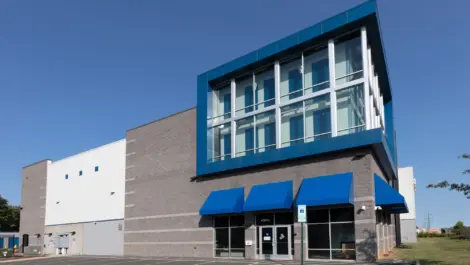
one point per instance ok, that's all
(77, 74)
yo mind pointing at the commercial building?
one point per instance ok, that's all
(408, 190)
(307, 120)
(75, 205)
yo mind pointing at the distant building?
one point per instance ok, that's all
(435, 230)
(407, 188)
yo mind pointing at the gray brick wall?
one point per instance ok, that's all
(33, 201)
(164, 197)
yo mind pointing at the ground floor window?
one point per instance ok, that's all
(331, 233)
(229, 236)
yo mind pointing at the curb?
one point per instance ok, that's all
(22, 259)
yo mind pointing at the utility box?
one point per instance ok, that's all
(63, 241)
(6, 252)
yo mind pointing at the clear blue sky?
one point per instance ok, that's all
(77, 74)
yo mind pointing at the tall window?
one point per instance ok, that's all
(265, 131)
(351, 116)
(245, 138)
(292, 124)
(316, 71)
(264, 89)
(317, 118)
(291, 80)
(222, 104)
(221, 144)
(229, 236)
(244, 102)
(348, 59)
(331, 234)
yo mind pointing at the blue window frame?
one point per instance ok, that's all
(296, 126)
(270, 135)
(269, 92)
(320, 73)
(227, 144)
(249, 141)
(227, 105)
(249, 99)
(295, 83)
(322, 123)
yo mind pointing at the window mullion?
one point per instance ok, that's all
(333, 105)
(329, 231)
(229, 238)
(277, 96)
(233, 124)
(304, 121)
(365, 71)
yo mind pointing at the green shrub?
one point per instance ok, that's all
(428, 235)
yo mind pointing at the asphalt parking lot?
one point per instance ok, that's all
(86, 260)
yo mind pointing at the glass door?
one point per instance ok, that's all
(282, 240)
(275, 242)
(267, 242)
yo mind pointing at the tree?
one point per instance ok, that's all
(458, 227)
(9, 216)
(459, 187)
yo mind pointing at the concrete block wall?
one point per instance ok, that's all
(163, 194)
(75, 240)
(90, 238)
(33, 202)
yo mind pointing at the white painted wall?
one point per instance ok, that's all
(407, 184)
(88, 197)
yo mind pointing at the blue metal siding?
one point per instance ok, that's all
(364, 138)
(390, 131)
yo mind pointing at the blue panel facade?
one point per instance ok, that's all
(390, 131)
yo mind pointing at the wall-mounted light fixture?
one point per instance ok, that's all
(112, 193)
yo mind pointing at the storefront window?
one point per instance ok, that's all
(229, 236)
(331, 234)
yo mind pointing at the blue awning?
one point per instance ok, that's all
(269, 197)
(326, 190)
(224, 202)
(387, 197)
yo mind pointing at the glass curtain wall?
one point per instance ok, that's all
(290, 102)
(330, 234)
(229, 236)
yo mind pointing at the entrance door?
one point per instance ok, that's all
(275, 242)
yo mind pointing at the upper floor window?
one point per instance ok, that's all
(316, 70)
(97, 168)
(350, 110)
(291, 80)
(80, 172)
(220, 146)
(66, 176)
(348, 59)
(264, 89)
(221, 104)
(244, 102)
(289, 101)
